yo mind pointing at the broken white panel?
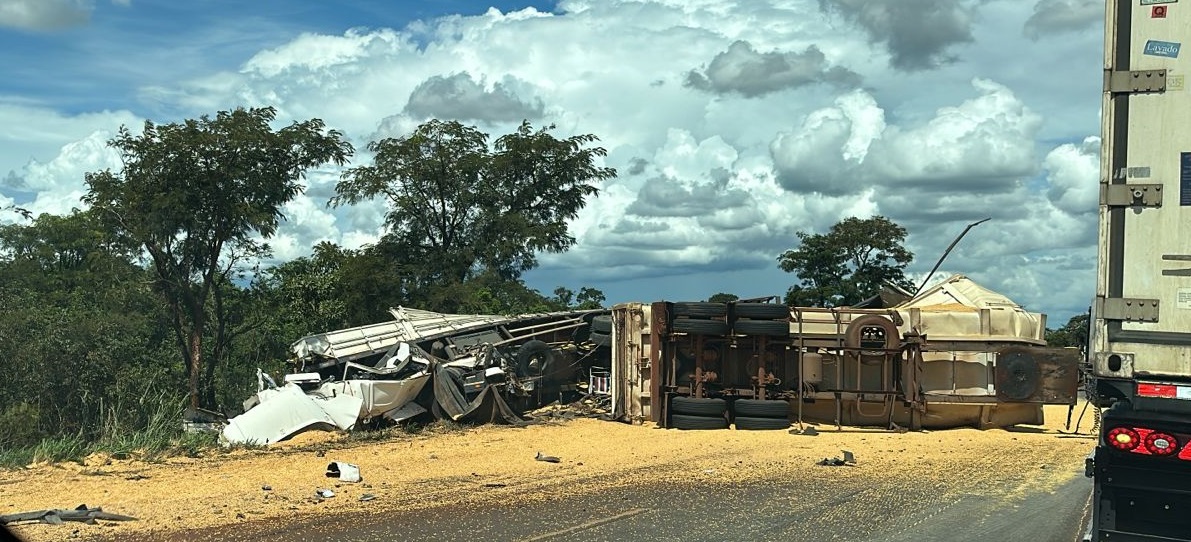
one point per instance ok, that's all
(378, 396)
(282, 414)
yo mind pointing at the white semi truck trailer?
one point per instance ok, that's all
(1140, 340)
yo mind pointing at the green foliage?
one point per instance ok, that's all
(83, 327)
(491, 294)
(848, 263)
(459, 209)
(586, 299)
(19, 426)
(1073, 333)
(722, 298)
(196, 196)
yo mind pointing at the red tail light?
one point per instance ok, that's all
(1164, 391)
(1124, 438)
(1159, 443)
(1146, 441)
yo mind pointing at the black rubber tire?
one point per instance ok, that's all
(762, 311)
(700, 327)
(533, 358)
(601, 339)
(698, 406)
(747, 423)
(767, 328)
(700, 309)
(602, 324)
(759, 408)
(680, 421)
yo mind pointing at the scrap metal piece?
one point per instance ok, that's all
(346, 472)
(281, 414)
(57, 516)
(546, 458)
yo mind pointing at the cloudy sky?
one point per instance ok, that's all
(733, 125)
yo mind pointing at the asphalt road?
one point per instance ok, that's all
(819, 507)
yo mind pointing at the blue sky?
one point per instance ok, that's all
(734, 125)
(102, 52)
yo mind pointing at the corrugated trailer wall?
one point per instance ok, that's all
(631, 362)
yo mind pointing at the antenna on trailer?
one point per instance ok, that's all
(945, 253)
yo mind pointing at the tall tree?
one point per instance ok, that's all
(587, 298)
(848, 263)
(197, 196)
(460, 208)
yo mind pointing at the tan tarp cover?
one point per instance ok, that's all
(960, 310)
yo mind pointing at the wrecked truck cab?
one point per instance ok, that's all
(452, 366)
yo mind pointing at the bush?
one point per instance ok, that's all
(19, 427)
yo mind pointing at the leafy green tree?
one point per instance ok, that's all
(586, 299)
(459, 208)
(199, 196)
(589, 298)
(722, 298)
(83, 338)
(1073, 333)
(848, 263)
(307, 292)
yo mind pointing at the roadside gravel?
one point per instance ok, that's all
(258, 487)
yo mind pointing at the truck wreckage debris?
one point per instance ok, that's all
(751, 364)
(465, 368)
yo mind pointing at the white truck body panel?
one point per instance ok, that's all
(1142, 311)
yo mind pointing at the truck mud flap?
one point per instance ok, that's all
(1035, 374)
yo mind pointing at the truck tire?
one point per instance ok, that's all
(698, 406)
(533, 358)
(762, 311)
(680, 421)
(700, 310)
(746, 423)
(601, 339)
(766, 328)
(602, 324)
(700, 327)
(760, 408)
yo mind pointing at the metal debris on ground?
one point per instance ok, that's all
(367, 497)
(324, 493)
(346, 472)
(546, 458)
(58, 516)
(590, 406)
(848, 460)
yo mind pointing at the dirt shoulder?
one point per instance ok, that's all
(497, 462)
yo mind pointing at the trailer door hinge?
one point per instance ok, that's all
(1127, 309)
(1131, 195)
(1135, 81)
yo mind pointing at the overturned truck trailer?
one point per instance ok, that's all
(958, 354)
